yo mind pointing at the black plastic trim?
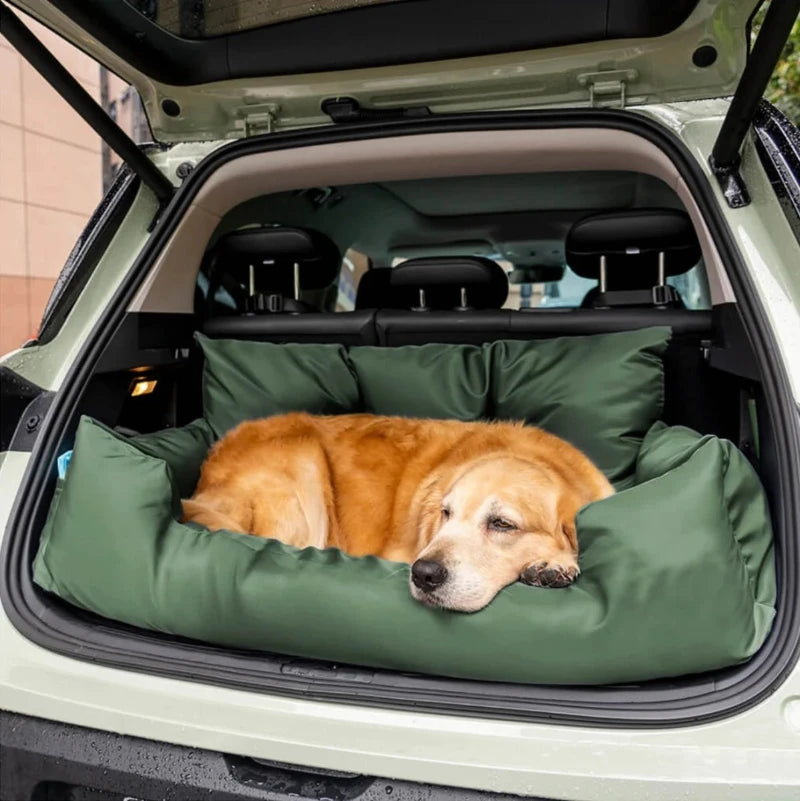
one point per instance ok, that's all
(56, 626)
(30, 422)
(148, 339)
(369, 36)
(20, 402)
(348, 109)
(43, 759)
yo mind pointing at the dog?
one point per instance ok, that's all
(473, 507)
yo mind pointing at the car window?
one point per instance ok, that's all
(568, 293)
(354, 265)
(203, 20)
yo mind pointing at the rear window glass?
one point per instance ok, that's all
(202, 19)
(571, 289)
(569, 292)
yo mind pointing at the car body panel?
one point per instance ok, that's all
(653, 70)
(524, 758)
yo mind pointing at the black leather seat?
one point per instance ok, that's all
(631, 254)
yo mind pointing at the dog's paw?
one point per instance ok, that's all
(543, 574)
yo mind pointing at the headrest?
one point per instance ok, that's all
(273, 252)
(441, 279)
(373, 289)
(631, 242)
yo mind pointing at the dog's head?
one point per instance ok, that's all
(494, 521)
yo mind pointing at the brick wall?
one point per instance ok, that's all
(50, 182)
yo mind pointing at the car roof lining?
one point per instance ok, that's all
(520, 217)
(170, 284)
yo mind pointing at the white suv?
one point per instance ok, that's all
(398, 129)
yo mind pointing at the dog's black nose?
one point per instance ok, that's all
(428, 575)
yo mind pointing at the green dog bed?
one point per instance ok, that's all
(677, 567)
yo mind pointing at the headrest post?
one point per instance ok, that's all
(296, 277)
(603, 273)
(662, 268)
(422, 298)
(463, 297)
(252, 280)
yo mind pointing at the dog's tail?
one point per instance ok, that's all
(205, 512)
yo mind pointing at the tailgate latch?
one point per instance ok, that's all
(607, 88)
(348, 109)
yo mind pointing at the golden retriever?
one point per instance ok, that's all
(472, 506)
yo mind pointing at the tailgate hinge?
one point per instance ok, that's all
(608, 88)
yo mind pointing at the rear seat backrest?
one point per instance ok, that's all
(631, 254)
(343, 328)
(689, 395)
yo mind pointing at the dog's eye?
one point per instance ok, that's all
(446, 512)
(501, 524)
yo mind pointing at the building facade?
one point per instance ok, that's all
(51, 176)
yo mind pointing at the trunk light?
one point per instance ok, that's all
(143, 386)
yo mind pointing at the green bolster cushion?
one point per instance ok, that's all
(601, 393)
(677, 573)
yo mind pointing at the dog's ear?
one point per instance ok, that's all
(430, 508)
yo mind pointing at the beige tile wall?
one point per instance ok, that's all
(50, 182)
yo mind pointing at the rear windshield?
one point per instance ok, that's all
(202, 19)
(570, 291)
(520, 222)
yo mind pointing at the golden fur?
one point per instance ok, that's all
(475, 506)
